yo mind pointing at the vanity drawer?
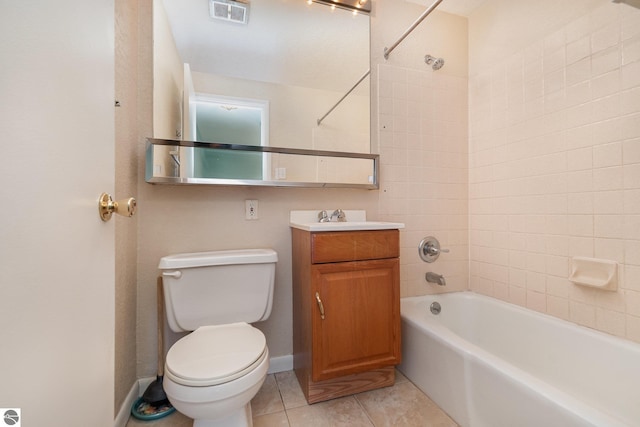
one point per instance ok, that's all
(354, 245)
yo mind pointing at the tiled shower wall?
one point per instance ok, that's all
(423, 152)
(555, 169)
(422, 137)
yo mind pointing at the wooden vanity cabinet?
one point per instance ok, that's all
(346, 311)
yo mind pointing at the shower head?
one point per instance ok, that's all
(436, 63)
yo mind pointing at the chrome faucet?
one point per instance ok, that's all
(438, 279)
(323, 217)
(339, 215)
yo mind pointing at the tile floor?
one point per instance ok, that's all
(280, 402)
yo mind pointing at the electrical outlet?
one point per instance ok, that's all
(251, 209)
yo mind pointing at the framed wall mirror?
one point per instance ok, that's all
(298, 68)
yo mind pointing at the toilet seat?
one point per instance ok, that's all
(213, 355)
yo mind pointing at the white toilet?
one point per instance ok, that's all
(212, 374)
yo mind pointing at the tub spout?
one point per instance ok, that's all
(438, 279)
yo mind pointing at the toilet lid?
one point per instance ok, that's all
(215, 354)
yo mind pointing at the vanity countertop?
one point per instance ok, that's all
(356, 220)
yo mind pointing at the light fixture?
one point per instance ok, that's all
(353, 5)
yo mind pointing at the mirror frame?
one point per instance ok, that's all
(151, 178)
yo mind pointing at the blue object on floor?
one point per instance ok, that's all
(146, 412)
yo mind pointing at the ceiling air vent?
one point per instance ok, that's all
(229, 10)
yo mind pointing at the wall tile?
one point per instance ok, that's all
(568, 178)
(611, 322)
(582, 314)
(605, 37)
(558, 307)
(608, 202)
(630, 26)
(633, 328)
(578, 49)
(605, 84)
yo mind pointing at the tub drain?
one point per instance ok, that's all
(435, 307)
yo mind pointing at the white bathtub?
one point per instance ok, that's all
(488, 363)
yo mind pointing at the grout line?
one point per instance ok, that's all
(284, 406)
(364, 410)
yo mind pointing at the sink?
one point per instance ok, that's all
(356, 220)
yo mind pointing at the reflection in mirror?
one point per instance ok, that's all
(232, 121)
(257, 165)
(298, 57)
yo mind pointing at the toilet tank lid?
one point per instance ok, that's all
(203, 259)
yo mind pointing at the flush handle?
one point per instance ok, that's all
(106, 207)
(174, 274)
(320, 306)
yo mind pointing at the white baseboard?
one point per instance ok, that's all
(280, 364)
(125, 409)
(276, 364)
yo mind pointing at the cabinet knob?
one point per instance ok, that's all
(320, 306)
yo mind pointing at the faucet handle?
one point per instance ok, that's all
(339, 215)
(429, 249)
(323, 217)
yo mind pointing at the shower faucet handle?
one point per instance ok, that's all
(429, 249)
(434, 250)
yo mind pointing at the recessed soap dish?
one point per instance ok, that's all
(593, 272)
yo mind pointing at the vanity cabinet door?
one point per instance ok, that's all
(360, 330)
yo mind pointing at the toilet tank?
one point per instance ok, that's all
(213, 288)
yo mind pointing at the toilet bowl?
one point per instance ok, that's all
(212, 374)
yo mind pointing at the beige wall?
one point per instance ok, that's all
(126, 175)
(555, 156)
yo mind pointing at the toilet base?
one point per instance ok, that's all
(240, 418)
(223, 405)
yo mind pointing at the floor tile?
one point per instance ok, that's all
(343, 412)
(403, 405)
(400, 378)
(281, 403)
(278, 419)
(268, 399)
(290, 390)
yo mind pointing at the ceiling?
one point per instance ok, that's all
(456, 7)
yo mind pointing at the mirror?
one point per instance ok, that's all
(311, 168)
(297, 71)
